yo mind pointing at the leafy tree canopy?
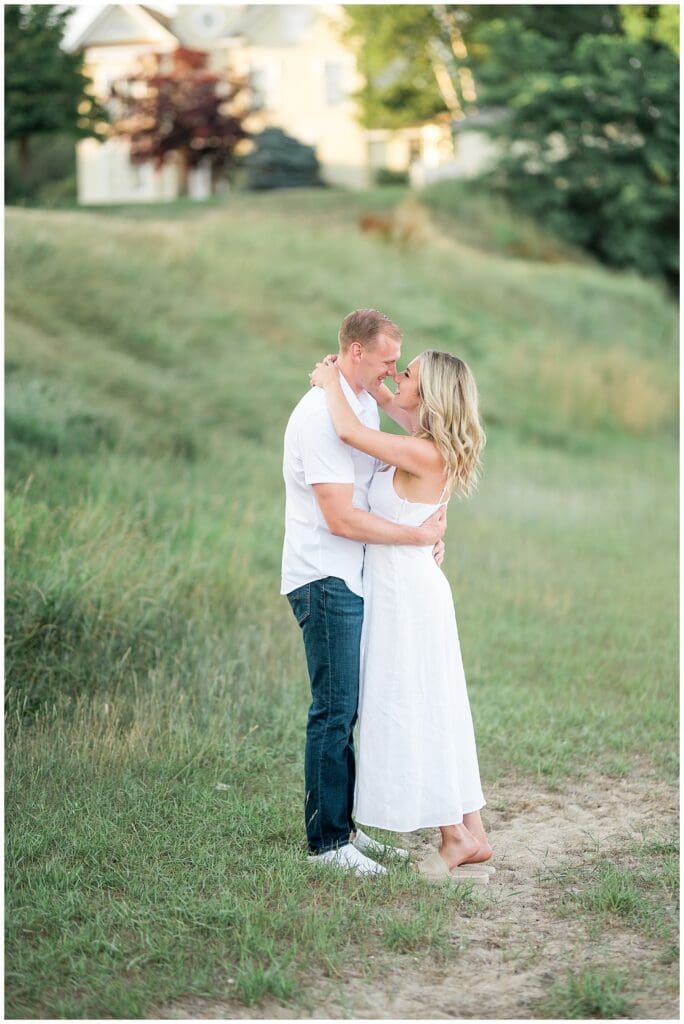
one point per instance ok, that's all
(657, 23)
(404, 50)
(590, 130)
(587, 99)
(394, 54)
(45, 87)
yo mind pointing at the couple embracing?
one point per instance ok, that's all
(364, 520)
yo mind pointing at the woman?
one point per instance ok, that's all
(416, 762)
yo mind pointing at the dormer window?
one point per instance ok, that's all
(207, 21)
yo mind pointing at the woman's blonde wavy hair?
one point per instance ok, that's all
(449, 416)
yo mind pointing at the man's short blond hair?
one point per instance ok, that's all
(365, 326)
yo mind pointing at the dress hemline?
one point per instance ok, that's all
(427, 824)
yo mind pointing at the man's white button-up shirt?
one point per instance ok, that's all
(314, 454)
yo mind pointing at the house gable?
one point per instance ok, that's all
(206, 26)
(274, 25)
(121, 25)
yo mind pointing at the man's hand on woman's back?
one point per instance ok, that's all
(434, 526)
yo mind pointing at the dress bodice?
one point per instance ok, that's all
(384, 501)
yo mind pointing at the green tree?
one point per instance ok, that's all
(280, 161)
(46, 90)
(659, 23)
(414, 58)
(588, 108)
(590, 129)
(398, 48)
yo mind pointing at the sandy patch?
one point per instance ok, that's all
(512, 953)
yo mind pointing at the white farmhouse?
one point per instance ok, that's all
(301, 72)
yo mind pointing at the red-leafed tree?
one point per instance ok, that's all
(175, 105)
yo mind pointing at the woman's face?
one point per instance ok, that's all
(407, 396)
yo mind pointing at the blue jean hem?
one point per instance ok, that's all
(336, 845)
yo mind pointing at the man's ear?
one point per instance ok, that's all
(356, 351)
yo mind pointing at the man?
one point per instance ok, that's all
(327, 523)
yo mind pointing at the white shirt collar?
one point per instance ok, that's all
(357, 402)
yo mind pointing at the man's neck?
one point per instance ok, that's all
(346, 369)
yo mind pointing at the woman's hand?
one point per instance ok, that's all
(324, 374)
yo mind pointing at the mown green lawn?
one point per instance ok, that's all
(153, 358)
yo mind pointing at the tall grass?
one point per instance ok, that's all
(152, 364)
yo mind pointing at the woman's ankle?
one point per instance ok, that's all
(458, 837)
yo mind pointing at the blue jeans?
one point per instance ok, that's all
(330, 616)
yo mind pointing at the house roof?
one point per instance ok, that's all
(139, 24)
(143, 23)
(255, 16)
(488, 115)
(163, 19)
(250, 18)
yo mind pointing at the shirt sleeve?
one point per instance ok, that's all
(325, 458)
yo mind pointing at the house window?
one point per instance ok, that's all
(264, 83)
(260, 86)
(258, 83)
(377, 153)
(208, 21)
(415, 150)
(334, 85)
(137, 180)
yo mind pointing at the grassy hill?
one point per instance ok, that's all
(153, 357)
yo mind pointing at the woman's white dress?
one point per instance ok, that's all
(416, 757)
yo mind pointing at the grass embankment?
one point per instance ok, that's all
(152, 364)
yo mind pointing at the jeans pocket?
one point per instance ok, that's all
(300, 602)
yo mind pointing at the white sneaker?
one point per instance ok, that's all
(365, 844)
(348, 858)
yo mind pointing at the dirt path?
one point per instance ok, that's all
(512, 953)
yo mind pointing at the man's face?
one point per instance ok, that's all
(379, 361)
